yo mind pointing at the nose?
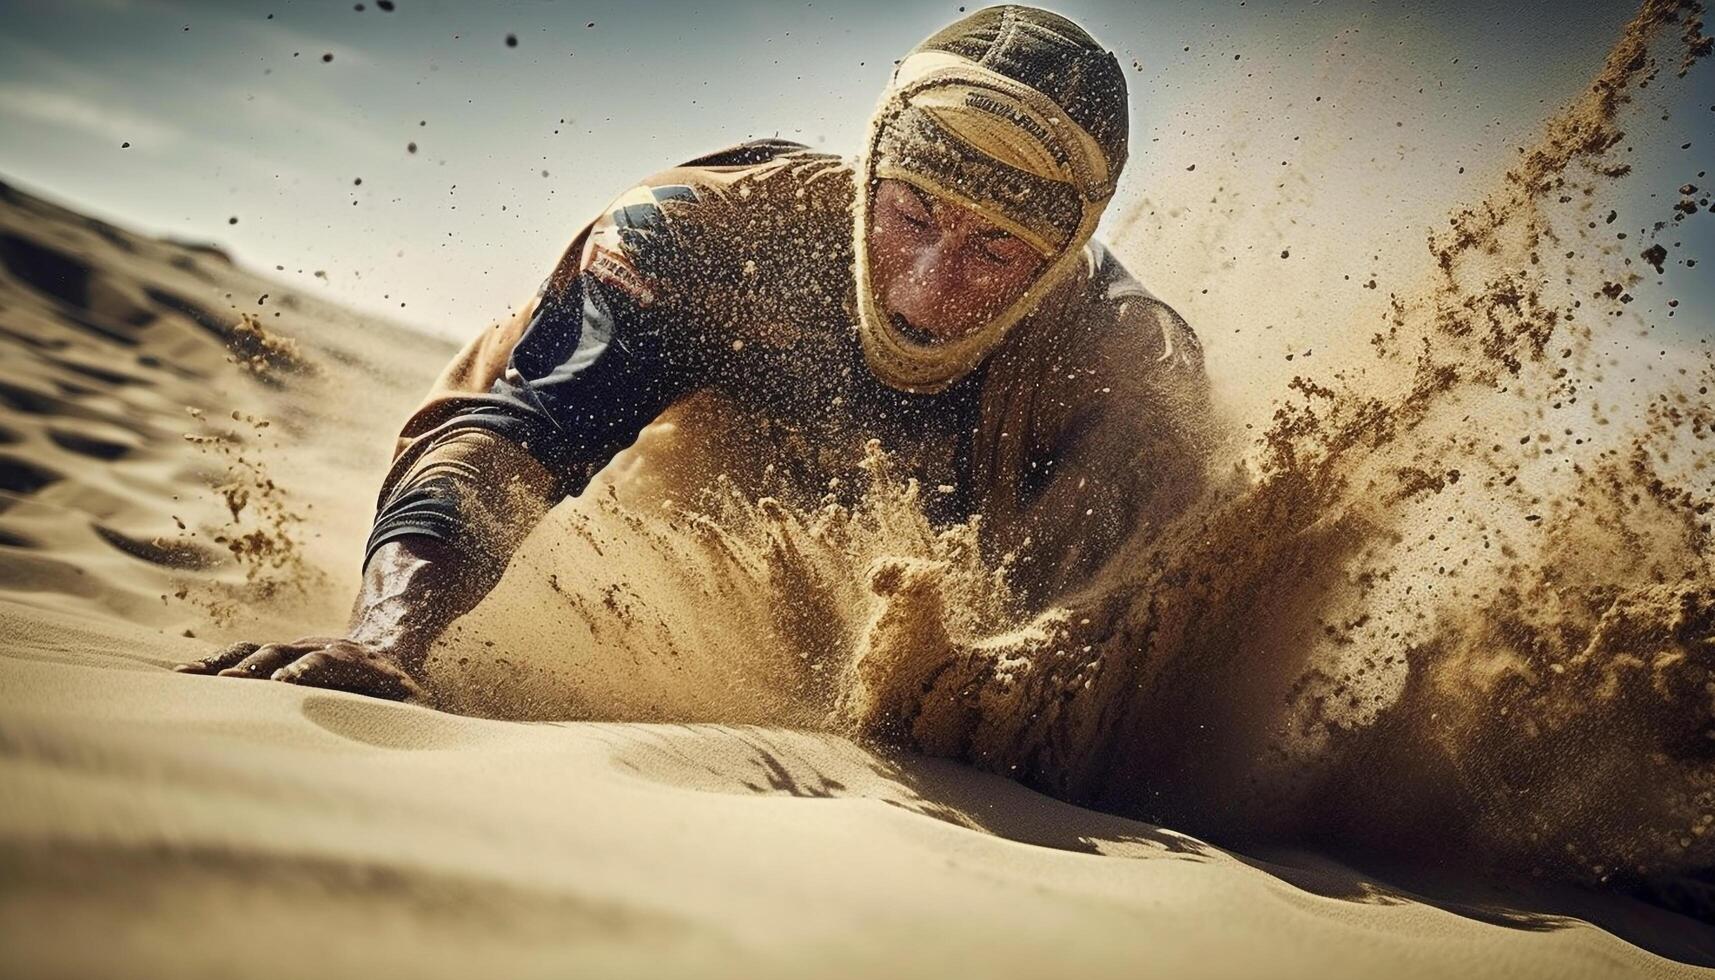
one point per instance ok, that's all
(921, 294)
(929, 262)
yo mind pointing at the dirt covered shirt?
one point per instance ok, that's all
(731, 276)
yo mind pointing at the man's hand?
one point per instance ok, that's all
(318, 661)
(412, 588)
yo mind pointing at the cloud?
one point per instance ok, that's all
(72, 111)
(274, 111)
(159, 6)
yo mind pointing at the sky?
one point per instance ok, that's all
(431, 160)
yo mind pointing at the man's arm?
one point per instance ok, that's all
(525, 415)
(414, 585)
(412, 590)
(1106, 434)
(1135, 451)
(1129, 435)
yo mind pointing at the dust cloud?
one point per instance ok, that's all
(1452, 597)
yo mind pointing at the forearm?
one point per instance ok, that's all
(443, 537)
(414, 586)
(413, 589)
(523, 417)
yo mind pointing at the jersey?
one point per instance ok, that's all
(732, 274)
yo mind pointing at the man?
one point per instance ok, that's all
(943, 296)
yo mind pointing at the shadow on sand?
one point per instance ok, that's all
(811, 765)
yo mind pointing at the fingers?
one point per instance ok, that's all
(266, 659)
(314, 662)
(219, 660)
(355, 671)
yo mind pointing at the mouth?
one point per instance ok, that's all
(910, 331)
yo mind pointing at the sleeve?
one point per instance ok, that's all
(1128, 449)
(530, 410)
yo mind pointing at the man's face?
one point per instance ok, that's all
(942, 270)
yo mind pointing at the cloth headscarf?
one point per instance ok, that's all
(1017, 114)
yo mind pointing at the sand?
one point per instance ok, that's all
(156, 824)
(663, 760)
(159, 825)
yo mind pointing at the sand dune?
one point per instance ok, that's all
(187, 453)
(130, 387)
(161, 826)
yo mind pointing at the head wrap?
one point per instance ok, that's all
(1016, 114)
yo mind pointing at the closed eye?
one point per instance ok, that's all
(985, 248)
(913, 217)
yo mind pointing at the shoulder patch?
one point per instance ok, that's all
(674, 192)
(621, 234)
